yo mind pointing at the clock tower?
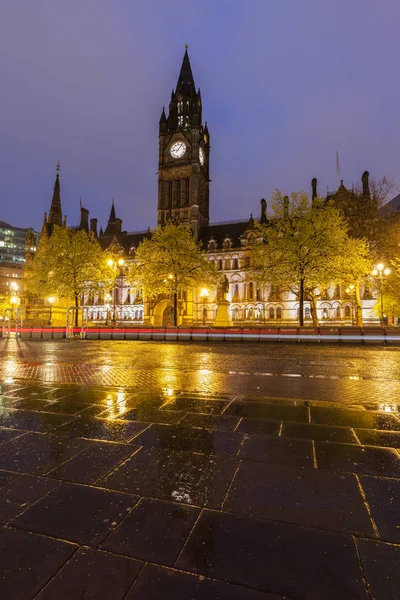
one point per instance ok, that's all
(184, 152)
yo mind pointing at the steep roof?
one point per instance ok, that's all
(219, 231)
(126, 240)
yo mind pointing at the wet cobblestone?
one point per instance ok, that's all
(140, 471)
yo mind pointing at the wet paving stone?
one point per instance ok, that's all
(154, 531)
(9, 434)
(33, 391)
(28, 561)
(303, 496)
(216, 422)
(261, 426)
(21, 493)
(156, 582)
(383, 497)
(189, 439)
(7, 476)
(94, 463)
(76, 513)
(354, 418)
(66, 407)
(32, 404)
(257, 410)
(37, 453)
(149, 415)
(31, 420)
(275, 557)
(381, 565)
(358, 459)
(92, 574)
(195, 405)
(176, 476)
(323, 433)
(277, 450)
(372, 437)
(96, 429)
(101, 396)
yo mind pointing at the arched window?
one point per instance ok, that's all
(250, 314)
(325, 314)
(227, 243)
(347, 311)
(227, 265)
(220, 264)
(338, 312)
(235, 263)
(258, 294)
(272, 312)
(236, 290)
(251, 290)
(212, 245)
(307, 312)
(279, 313)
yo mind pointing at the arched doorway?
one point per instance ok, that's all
(163, 313)
(167, 316)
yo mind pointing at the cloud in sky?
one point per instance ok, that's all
(284, 85)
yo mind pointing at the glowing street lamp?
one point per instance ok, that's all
(115, 264)
(351, 290)
(381, 272)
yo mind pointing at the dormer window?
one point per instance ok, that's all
(212, 245)
(227, 243)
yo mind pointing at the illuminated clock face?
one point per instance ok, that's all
(201, 156)
(178, 149)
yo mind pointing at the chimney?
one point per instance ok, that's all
(93, 227)
(365, 185)
(314, 190)
(118, 225)
(264, 217)
(84, 224)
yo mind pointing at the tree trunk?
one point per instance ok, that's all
(175, 309)
(359, 315)
(301, 307)
(76, 309)
(313, 304)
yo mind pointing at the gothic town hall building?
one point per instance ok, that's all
(184, 195)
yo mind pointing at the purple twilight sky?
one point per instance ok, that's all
(285, 83)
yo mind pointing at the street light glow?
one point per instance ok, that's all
(204, 292)
(121, 262)
(51, 299)
(386, 272)
(110, 262)
(380, 266)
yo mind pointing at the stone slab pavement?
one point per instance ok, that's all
(187, 473)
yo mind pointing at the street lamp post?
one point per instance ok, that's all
(107, 300)
(351, 291)
(204, 296)
(51, 301)
(381, 272)
(115, 264)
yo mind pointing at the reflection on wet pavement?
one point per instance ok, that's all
(153, 482)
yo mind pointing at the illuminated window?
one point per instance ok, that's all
(271, 313)
(279, 313)
(1, 243)
(180, 121)
(347, 311)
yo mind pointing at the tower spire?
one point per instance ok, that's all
(112, 213)
(185, 84)
(55, 214)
